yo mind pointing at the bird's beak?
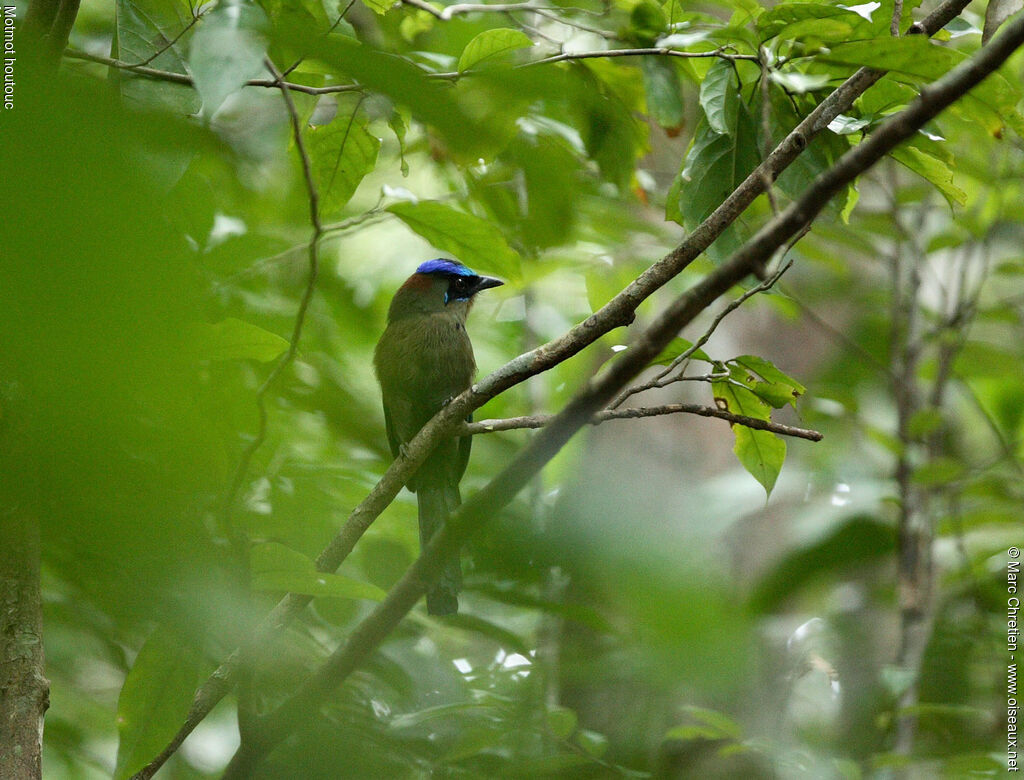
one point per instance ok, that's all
(486, 282)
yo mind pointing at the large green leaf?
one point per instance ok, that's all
(154, 699)
(405, 83)
(234, 339)
(664, 93)
(761, 453)
(714, 167)
(470, 239)
(913, 55)
(226, 52)
(793, 21)
(341, 153)
(857, 541)
(492, 45)
(719, 97)
(774, 386)
(144, 29)
(932, 169)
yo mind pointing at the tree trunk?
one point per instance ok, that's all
(24, 691)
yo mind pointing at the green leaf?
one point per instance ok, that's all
(677, 347)
(606, 99)
(664, 93)
(491, 44)
(778, 388)
(399, 128)
(715, 165)
(226, 51)
(341, 153)
(789, 20)
(931, 169)
(913, 55)
(722, 725)
(276, 567)
(408, 720)
(380, 7)
(940, 471)
(473, 741)
(562, 721)
(672, 210)
(797, 82)
(593, 743)
(820, 154)
(813, 22)
(719, 98)
(233, 339)
(475, 242)
(857, 541)
(852, 197)
(761, 453)
(924, 421)
(154, 699)
(143, 30)
(496, 633)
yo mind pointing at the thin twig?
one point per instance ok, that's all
(650, 51)
(551, 12)
(184, 78)
(170, 43)
(632, 413)
(662, 379)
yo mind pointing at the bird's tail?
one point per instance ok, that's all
(435, 504)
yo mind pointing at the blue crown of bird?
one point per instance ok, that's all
(423, 359)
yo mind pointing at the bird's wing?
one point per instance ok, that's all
(389, 426)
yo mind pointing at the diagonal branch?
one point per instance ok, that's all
(484, 505)
(618, 312)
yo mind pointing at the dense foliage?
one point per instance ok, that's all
(640, 610)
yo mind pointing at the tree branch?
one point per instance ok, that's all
(551, 12)
(618, 312)
(651, 51)
(24, 691)
(184, 78)
(540, 420)
(483, 506)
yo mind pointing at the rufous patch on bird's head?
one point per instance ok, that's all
(419, 282)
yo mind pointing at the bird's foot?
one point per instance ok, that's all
(403, 451)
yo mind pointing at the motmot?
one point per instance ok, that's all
(424, 359)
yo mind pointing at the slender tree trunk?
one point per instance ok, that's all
(24, 691)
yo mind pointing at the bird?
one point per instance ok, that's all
(424, 359)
